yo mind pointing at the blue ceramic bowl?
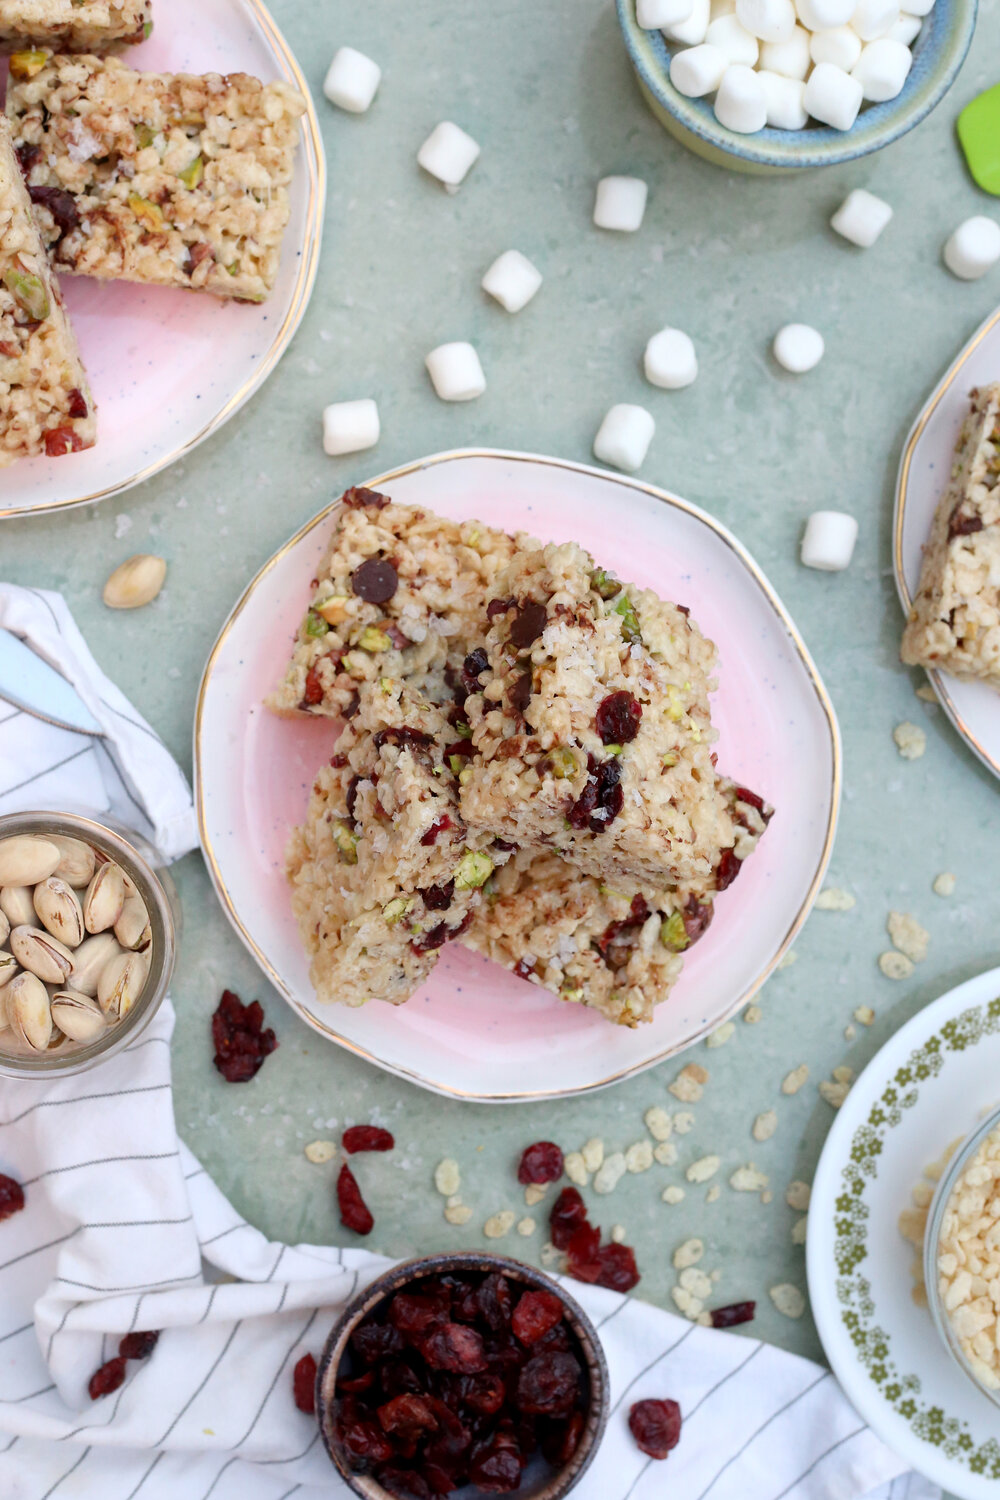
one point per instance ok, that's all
(938, 53)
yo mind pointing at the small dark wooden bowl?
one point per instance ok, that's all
(553, 1484)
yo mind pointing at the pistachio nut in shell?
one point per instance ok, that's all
(28, 1010)
(135, 582)
(78, 1016)
(91, 959)
(102, 905)
(121, 984)
(26, 858)
(4, 1017)
(9, 966)
(59, 910)
(4, 928)
(132, 927)
(77, 861)
(17, 905)
(41, 954)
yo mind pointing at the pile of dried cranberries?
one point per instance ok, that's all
(460, 1380)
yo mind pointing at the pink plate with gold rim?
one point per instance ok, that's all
(474, 1031)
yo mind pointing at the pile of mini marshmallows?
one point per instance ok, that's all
(782, 62)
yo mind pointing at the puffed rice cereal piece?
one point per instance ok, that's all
(800, 1229)
(447, 1177)
(673, 1195)
(665, 1153)
(704, 1168)
(911, 741)
(907, 935)
(689, 1085)
(319, 1152)
(658, 1122)
(944, 884)
(593, 1153)
(610, 1173)
(576, 1168)
(499, 1224)
(534, 1193)
(639, 1157)
(748, 1179)
(765, 1125)
(688, 1254)
(835, 899)
(721, 1036)
(895, 965)
(794, 1080)
(797, 1195)
(684, 1122)
(788, 1300)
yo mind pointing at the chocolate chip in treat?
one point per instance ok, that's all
(519, 695)
(728, 869)
(529, 622)
(358, 498)
(961, 525)
(60, 204)
(497, 607)
(375, 580)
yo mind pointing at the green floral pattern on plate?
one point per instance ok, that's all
(871, 1342)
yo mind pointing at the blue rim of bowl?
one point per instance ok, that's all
(938, 53)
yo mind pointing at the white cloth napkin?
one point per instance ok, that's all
(127, 772)
(122, 1231)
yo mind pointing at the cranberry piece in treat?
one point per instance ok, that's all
(438, 826)
(405, 1484)
(358, 498)
(963, 525)
(313, 693)
(519, 694)
(62, 440)
(697, 918)
(497, 607)
(638, 912)
(200, 251)
(542, 1162)
(617, 718)
(617, 1268)
(743, 795)
(354, 1211)
(495, 1303)
(241, 1042)
(568, 1213)
(400, 734)
(535, 1315)
(473, 666)
(524, 968)
(107, 1379)
(528, 624)
(351, 795)
(304, 1384)
(77, 406)
(28, 157)
(436, 938)
(366, 1138)
(138, 1345)
(453, 1346)
(602, 798)
(407, 1417)
(375, 580)
(549, 1385)
(438, 897)
(735, 1313)
(374, 1341)
(728, 869)
(11, 1197)
(60, 204)
(656, 1426)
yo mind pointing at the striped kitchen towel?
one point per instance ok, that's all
(127, 772)
(123, 1231)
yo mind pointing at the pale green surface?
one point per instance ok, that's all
(547, 91)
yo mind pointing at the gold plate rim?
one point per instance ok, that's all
(314, 159)
(664, 496)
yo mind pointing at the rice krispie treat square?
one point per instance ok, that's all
(954, 623)
(163, 178)
(73, 25)
(45, 403)
(384, 871)
(400, 593)
(592, 731)
(613, 950)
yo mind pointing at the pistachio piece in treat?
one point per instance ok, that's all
(59, 910)
(102, 905)
(41, 954)
(17, 905)
(149, 214)
(474, 869)
(78, 1016)
(77, 861)
(120, 984)
(28, 1011)
(91, 959)
(28, 291)
(24, 65)
(25, 859)
(136, 581)
(4, 929)
(132, 927)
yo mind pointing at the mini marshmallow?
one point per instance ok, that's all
(670, 361)
(798, 348)
(350, 426)
(695, 71)
(861, 218)
(882, 69)
(973, 248)
(833, 96)
(740, 104)
(352, 80)
(768, 20)
(828, 540)
(653, 13)
(692, 31)
(906, 29)
(512, 280)
(823, 15)
(783, 98)
(789, 58)
(620, 203)
(873, 18)
(455, 372)
(732, 38)
(448, 153)
(840, 46)
(624, 436)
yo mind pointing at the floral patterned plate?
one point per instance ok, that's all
(928, 1085)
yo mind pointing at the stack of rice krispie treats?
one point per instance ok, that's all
(525, 767)
(163, 179)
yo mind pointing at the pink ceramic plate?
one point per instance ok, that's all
(475, 1031)
(168, 367)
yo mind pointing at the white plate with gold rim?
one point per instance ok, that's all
(927, 1086)
(169, 367)
(474, 1031)
(924, 469)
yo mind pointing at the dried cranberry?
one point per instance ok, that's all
(351, 795)
(313, 692)
(535, 1315)
(428, 941)
(528, 624)
(138, 1345)
(582, 1253)
(366, 1138)
(497, 607)
(452, 1346)
(11, 1197)
(396, 636)
(556, 1338)
(549, 1384)
(542, 1162)
(638, 912)
(473, 666)
(438, 826)
(728, 869)
(241, 1042)
(358, 498)
(353, 703)
(406, 1484)
(363, 1440)
(495, 1303)
(497, 1471)
(602, 798)
(356, 1385)
(697, 918)
(375, 580)
(107, 1379)
(617, 718)
(407, 1417)
(568, 1213)
(77, 407)
(401, 735)
(62, 440)
(963, 525)
(413, 1313)
(735, 1313)
(656, 1426)
(463, 748)
(354, 1211)
(438, 897)
(561, 1440)
(200, 251)
(304, 1384)
(481, 1393)
(618, 1270)
(743, 795)
(28, 156)
(374, 1341)
(524, 968)
(519, 693)
(60, 204)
